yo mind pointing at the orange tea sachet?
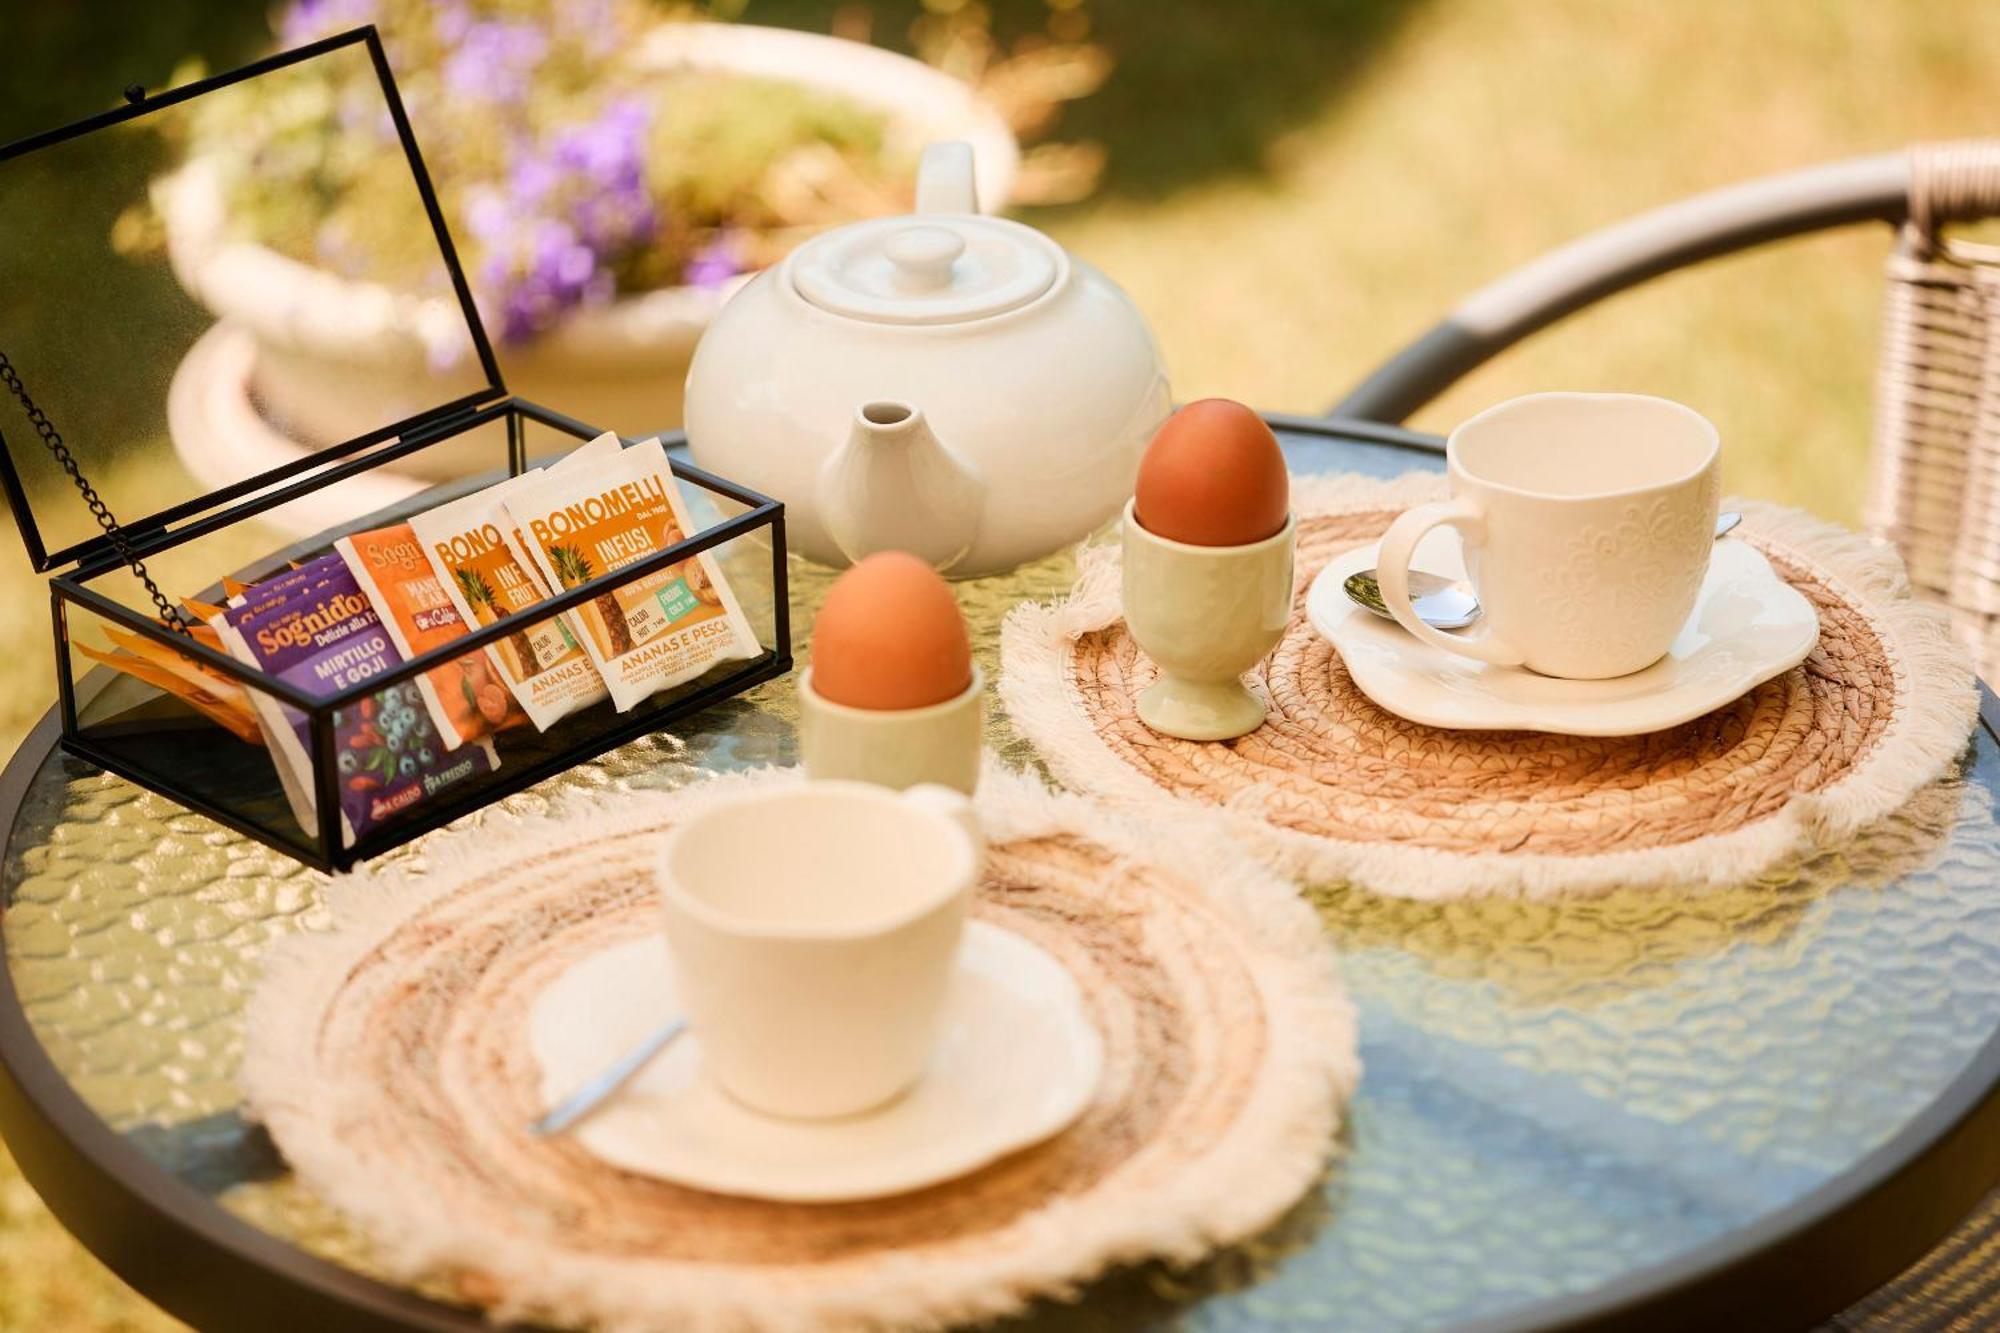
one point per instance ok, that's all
(218, 699)
(653, 632)
(465, 698)
(541, 663)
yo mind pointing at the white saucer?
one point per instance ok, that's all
(1748, 625)
(1018, 1060)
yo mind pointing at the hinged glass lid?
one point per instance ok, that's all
(204, 293)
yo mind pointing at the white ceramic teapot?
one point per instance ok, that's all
(943, 383)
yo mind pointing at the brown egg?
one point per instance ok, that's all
(1213, 476)
(890, 636)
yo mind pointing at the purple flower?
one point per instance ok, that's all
(566, 205)
(308, 20)
(487, 214)
(548, 272)
(533, 180)
(715, 263)
(451, 20)
(603, 164)
(569, 210)
(495, 60)
(611, 150)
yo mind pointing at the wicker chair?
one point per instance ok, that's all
(1935, 488)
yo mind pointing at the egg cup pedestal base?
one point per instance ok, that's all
(1200, 710)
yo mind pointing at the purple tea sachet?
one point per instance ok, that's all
(323, 638)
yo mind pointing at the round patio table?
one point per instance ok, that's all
(1740, 1109)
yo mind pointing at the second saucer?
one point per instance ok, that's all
(1747, 626)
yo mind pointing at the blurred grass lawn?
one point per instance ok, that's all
(1297, 188)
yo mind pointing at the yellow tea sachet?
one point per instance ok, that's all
(233, 714)
(653, 632)
(179, 664)
(542, 664)
(465, 698)
(201, 630)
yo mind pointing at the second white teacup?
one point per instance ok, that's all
(1587, 520)
(814, 930)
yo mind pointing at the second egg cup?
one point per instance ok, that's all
(894, 747)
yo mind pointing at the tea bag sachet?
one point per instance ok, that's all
(214, 697)
(244, 601)
(273, 591)
(323, 637)
(542, 664)
(168, 669)
(654, 632)
(464, 698)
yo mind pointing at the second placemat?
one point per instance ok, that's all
(1334, 787)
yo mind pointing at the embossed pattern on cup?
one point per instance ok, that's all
(1587, 519)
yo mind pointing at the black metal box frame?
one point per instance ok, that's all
(107, 556)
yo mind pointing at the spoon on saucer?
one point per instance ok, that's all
(1444, 603)
(598, 1089)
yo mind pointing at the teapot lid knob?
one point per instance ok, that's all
(923, 256)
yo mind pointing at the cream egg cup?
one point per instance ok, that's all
(1205, 615)
(894, 747)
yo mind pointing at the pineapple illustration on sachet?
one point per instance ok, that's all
(574, 569)
(478, 594)
(659, 628)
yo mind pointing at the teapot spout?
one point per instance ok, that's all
(894, 486)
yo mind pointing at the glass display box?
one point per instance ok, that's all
(234, 327)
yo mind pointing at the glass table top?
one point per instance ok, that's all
(1555, 1095)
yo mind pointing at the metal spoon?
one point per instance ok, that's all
(1444, 603)
(595, 1092)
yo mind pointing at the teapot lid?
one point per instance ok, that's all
(925, 268)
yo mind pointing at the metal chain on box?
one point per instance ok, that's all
(169, 613)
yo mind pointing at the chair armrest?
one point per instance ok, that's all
(1587, 270)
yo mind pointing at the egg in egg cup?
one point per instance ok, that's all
(1205, 615)
(894, 747)
(893, 696)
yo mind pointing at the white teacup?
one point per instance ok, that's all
(1587, 519)
(814, 930)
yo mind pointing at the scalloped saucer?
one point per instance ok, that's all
(1018, 1059)
(1747, 626)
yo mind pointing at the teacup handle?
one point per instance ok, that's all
(953, 805)
(1392, 574)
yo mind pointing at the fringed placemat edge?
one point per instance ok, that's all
(1920, 745)
(1939, 698)
(1283, 1140)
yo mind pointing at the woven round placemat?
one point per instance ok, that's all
(390, 1061)
(1335, 788)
